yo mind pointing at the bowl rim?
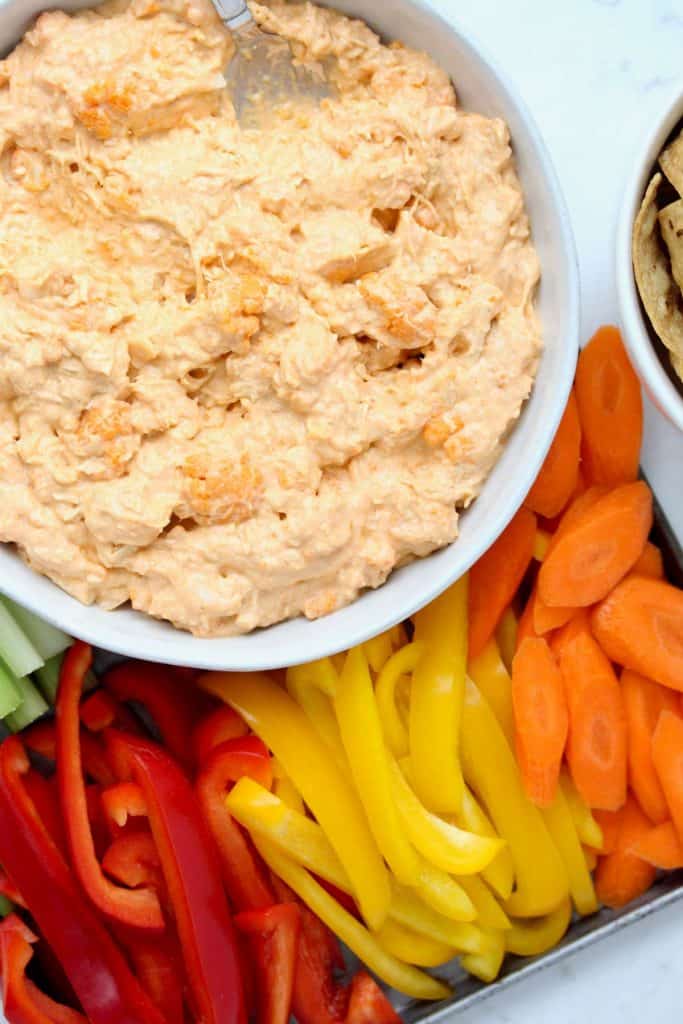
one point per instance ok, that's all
(178, 647)
(631, 314)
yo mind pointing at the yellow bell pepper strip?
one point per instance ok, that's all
(506, 637)
(536, 936)
(402, 977)
(338, 661)
(286, 791)
(379, 649)
(287, 732)
(445, 846)
(591, 858)
(313, 687)
(491, 770)
(400, 664)
(560, 824)
(587, 828)
(541, 544)
(500, 874)
(490, 914)
(442, 893)
(361, 733)
(486, 965)
(409, 910)
(413, 948)
(491, 676)
(436, 700)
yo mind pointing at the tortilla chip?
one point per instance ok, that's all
(671, 226)
(671, 162)
(658, 290)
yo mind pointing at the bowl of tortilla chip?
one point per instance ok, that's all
(650, 262)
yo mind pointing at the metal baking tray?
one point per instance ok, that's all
(668, 889)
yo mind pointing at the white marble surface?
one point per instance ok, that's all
(594, 72)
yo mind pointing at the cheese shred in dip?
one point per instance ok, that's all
(246, 374)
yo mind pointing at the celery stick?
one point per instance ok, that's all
(5, 906)
(16, 649)
(47, 639)
(33, 705)
(10, 697)
(47, 677)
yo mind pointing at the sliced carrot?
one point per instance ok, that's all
(660, 847)
(610, 410)
(557, 479)
(525, 626)
(579, 623)
(640, 626)
(578, 508)
(650, 564)
(541, 719)
(494, 579)
(597, 748)
(667, 754)
(622, 876)
(644, 701)
(598, 551)
(547, 618)
(610, 826)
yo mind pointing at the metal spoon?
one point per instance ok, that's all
(263, 74)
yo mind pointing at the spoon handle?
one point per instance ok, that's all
(233, 13)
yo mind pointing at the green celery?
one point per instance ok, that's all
(10, 697)
(48, 677)
(47, 639)
(16, 649)
(33, 706)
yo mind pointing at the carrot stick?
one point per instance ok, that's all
(598, 551)
(667, 754)
(610, 826)
(610, 410)
(557, 479)
(597, 748)
(494, 579)
(640, 626)
(541, 719)
(650, 564)
(622, 876)
(660, 847)
(644, 701)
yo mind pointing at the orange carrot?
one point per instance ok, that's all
(557, 479)
(621, 876)
(660, 847)
(541, 719)
(610, 826)
(579, 623)
(597, 749)
(494, 579)
(547, 618)
(667, 754)
(644, 701)
(650, 564)
(610, 410)
(640, 626)
(598, 550)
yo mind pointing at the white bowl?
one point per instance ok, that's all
(647, 357)
(481, 87)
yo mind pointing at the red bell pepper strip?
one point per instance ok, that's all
(159, 969)
(245, 881)
(23, 1002)
(9, 889)
(104, 984)
(274, 941)
(172, 704)
(189, 862)
(221, 724)
(41, 738)
(100, 711)
(139, 908)
(368, 1004)
(45, 795)
(317, 997)
(121, 802)
(133, 860)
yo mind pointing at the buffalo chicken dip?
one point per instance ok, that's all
(245, 373)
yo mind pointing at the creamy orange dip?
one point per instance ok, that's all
(246, 374)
